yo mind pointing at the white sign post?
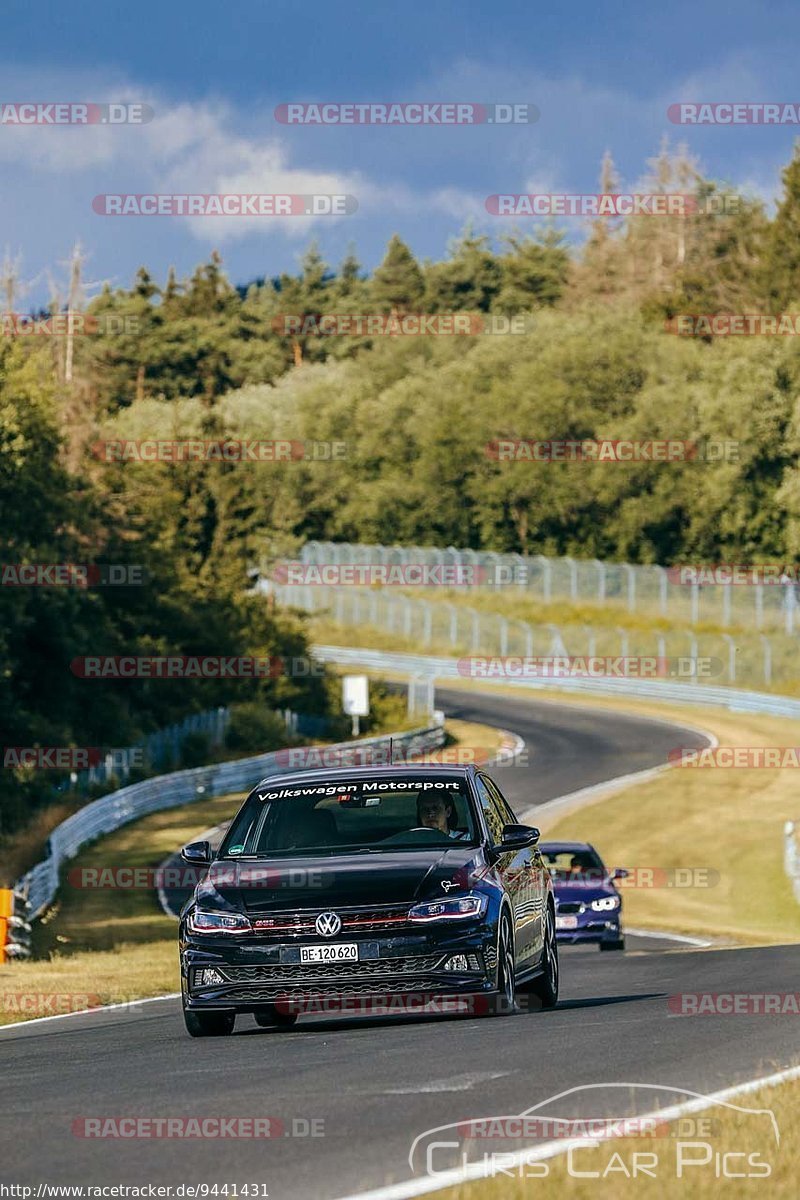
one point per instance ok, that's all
(355, 698)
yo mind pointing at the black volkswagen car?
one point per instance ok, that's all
(374, 883)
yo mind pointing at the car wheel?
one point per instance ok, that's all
(271, 1016)
(208, 1024)
(545, 986)
(617, 945)
(503, 1002)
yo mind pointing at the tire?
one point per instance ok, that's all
(271, 1016)
(544, 988)
(208, 1024)
(503, 1001)
(618, 945)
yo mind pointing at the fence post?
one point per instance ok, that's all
(628, 569)
(601, 580)
(547, 577)
(662, 590)
(767, 657)
(726, 637)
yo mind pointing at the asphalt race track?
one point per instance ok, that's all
(377, 1084)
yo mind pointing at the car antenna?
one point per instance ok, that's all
(391, 750)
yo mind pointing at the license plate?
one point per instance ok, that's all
(566, 922)
(338, 952)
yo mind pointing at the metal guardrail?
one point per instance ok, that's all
(39, 885)
(677, 693)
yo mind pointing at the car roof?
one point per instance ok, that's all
(362, 771)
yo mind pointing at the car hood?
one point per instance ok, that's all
(324, 881)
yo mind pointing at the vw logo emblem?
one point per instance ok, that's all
(328, 924)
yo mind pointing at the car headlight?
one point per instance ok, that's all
(455, 908)
(605, 903)
(201, 921)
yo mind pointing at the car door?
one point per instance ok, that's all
(511, 866)
(532, 887)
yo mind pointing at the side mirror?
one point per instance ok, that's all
(518, 837)
(198, 853)
(619, 873)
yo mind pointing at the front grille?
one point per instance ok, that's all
(570, 906)
(301, 922)
(393, 967)
(276, 993)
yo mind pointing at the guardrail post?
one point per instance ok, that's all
(726, 637)
(767, 658)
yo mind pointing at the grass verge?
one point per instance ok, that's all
(695, 1158)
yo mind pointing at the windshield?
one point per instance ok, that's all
(352, 815)
(574, 866)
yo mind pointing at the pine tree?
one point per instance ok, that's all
(782, 260)
(397, 284)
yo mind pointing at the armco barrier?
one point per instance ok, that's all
(734, 699)
(110, 812)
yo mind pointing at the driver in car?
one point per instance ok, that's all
(436, 812)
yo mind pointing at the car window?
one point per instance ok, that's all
(346, 815)
(500, 800)
(492, 811)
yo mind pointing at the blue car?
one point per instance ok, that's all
(588, 905)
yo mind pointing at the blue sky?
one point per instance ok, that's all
(602, 74)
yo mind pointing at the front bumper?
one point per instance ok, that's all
(250, 973)
(591, 928)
